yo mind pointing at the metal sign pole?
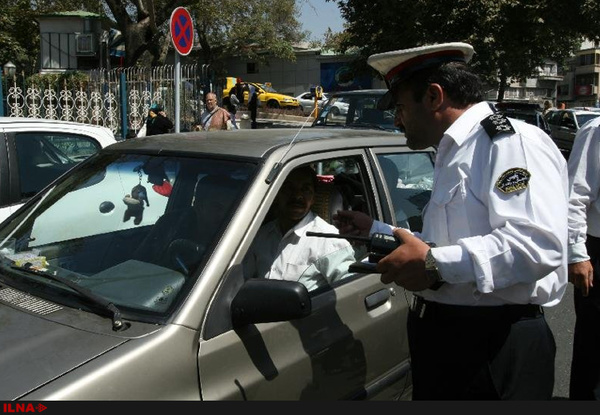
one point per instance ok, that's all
(182, 35)
(177, 90)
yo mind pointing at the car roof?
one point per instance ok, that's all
(23, 121)
(574, 111)
(252, 143)
(517, 106)
(359, 92)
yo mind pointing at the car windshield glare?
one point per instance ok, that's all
(358, 110)
(133, 229)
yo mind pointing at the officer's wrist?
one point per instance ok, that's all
(432, 272)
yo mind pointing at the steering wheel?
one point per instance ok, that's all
(185, 253)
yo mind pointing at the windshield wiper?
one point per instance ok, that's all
(117, 322)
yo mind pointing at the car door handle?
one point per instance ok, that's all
(376, 299)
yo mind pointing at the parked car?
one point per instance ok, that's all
(267, 96)
(307, 102)
(565, 123)
(34, 152)
(528, 112)
(162, 310)
(357, 109)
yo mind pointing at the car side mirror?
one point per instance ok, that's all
(264, 301)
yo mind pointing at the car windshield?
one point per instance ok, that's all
(135, 230)
(358, 110)
(267, 88)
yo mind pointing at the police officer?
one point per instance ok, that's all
(493, 250)
(584, 260)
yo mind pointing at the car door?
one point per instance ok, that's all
(353, 345)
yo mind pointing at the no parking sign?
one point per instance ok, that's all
(182, 30)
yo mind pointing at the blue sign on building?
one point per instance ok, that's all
(339, 76)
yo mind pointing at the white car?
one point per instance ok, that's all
(307, 102)
(34, 152)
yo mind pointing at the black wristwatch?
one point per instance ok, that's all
(432, 271)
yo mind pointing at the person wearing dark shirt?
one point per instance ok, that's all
(157, 121)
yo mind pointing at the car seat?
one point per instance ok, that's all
(328, 200)
(371, 116)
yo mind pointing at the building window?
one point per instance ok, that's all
(588, 59)
(251, 67)
(562, 90)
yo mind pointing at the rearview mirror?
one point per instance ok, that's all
(265, 301)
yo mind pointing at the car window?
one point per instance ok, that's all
(583, 118)
(318, 262)
(567, 121)
(358, 110)
(132, 228)
(409, 180)
(43, 157)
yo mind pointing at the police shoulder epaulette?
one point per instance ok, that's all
(496, 124)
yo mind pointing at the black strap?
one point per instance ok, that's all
(209, 117)
(496, 124)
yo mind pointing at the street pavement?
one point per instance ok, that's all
(561, 320)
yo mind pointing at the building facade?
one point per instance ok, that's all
(580, 85)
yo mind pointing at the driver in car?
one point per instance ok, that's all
(283, 251)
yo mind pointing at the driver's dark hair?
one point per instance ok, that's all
(459, 83)
(309, 171)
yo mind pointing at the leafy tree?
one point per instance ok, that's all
(511, 38)
(16, 40)
(250, 28)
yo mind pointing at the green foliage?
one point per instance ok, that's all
(66, 80)
(511, 38)
(247, 28)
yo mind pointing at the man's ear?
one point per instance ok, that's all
(434, 96)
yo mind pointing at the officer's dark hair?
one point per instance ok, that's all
(461, 85)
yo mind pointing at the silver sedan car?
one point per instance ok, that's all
(124, 279)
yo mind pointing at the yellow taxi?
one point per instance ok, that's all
(267, 96)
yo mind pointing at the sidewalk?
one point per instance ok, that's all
(272, 120)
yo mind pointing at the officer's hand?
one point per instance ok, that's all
(406, 264)
(352, 222)
(581, 274)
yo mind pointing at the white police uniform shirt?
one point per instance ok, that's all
(493, 247)
(584, 182)
(313, 261)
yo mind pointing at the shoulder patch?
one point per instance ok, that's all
(496, 124)
(513, 180)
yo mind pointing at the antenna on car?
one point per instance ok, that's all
(277, 167)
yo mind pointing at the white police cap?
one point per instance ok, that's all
(396, 66)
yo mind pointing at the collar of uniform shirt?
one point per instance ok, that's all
(300, 228)
(468, 121)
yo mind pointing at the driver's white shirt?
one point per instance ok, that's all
(314, 261)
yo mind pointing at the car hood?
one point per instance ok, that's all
(36, 350)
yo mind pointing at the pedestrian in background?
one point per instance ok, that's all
(547, 107)
(493, 250)
(584, 261)
(252, 105)
(157, 121)
(232, 106)
(214, 117)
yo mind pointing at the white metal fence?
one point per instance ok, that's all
(109, 94)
